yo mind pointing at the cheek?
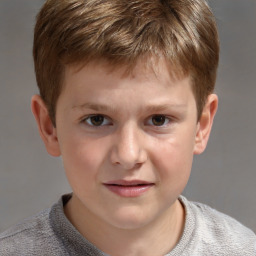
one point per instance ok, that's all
(82, 162)
(173, 160)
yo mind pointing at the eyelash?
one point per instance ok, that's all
(166, 120)
(88, 120)
(108, 122)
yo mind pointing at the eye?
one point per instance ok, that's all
(159, 120)
(97, 120)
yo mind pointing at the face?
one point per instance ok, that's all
(127, 141)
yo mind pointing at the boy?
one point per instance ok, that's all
(126, 98)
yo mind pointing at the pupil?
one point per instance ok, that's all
(97, 120)
(158, 120)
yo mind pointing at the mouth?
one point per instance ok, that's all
(124, 188)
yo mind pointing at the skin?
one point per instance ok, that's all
(112, 127)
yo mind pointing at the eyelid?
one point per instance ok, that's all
(86, 118)
(109, 122)
(167, 118)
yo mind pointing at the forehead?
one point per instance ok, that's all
(97, 88)
(97, 84)
(146, 68)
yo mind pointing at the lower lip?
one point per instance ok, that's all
(129, 191)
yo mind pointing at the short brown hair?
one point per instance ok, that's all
(122, 32)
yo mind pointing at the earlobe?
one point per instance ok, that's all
(45, 126)
(205, 123)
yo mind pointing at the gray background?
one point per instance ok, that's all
(223, 177)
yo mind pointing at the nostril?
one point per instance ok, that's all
(128, 152)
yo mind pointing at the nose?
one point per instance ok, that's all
(128, 151)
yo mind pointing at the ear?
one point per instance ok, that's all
(204, 125)
(45, 126)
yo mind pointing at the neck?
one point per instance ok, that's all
(156, 238)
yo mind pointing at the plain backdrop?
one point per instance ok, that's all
(223, 177)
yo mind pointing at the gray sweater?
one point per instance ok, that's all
(207, 232)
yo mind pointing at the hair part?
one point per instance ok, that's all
(122, 32)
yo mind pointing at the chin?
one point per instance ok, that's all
(131, 219)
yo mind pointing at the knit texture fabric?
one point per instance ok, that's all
(207, 232)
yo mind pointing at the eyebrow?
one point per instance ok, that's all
(93, 106)
(163, 107)
(148, 108)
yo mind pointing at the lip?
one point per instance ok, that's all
(125, 188)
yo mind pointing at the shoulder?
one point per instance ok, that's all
(33, 236)
(220, 232)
